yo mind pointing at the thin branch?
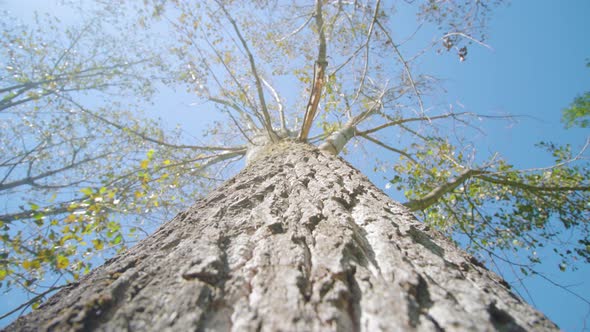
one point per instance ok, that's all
(390, 148)
(406, 66)
(233, 77)
(562, 287)
(239, 127)
(35, 299)
(237, 108)
(529, 187)
(464, 35)
(296, 31)
(47, 211)
(23, 157)
(30, 180)
(279, 103)
(565, 162)
(144, 136)
(400, 121)
(265, 114)
(367, 51)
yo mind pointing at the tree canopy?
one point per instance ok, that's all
(85, 171)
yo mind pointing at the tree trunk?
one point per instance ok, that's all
(298, 241)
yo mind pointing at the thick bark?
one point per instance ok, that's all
(298, 241)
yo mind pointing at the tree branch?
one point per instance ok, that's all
(30, 180)
(147, 138)
(406, 66)
(318, 76)
(529, 187)
(367, 49)
(390, 148)
(35, 299)
(400, 121)
(435, 194)
(265, 114)
(278, 100)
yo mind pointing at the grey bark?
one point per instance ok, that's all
(298, 241)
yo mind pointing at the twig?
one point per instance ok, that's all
(35, 299)
(406, 66)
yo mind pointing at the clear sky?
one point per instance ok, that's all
(536, 67)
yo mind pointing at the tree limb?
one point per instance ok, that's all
(318, 76)
(435, 194)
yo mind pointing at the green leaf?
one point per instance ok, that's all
(3, 274)
(87, 191)
(98, 244)
(62, 262)
(150, 154)
(117, 239)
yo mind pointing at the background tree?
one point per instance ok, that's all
(355, 83)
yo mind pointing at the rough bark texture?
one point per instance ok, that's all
(298, 241)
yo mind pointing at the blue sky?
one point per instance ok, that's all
(536, 67)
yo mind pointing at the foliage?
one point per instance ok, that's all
(498, 207)
(578, 113)
(78, 179)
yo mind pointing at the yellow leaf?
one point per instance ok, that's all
(139, 194)
(62, 262)
(98, 244)
(144, 164)
(166, 162)
(27, 265)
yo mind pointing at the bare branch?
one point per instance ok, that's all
(366, 68)
(237, 124)
(279, 103)
(400, 121)
(36, 298)
(147, 138)
(237, 108)
(266, 115)
(388, 147)
(296, 31)
(406, 66)
(318, 76)
(30, 180)
(464, 35)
